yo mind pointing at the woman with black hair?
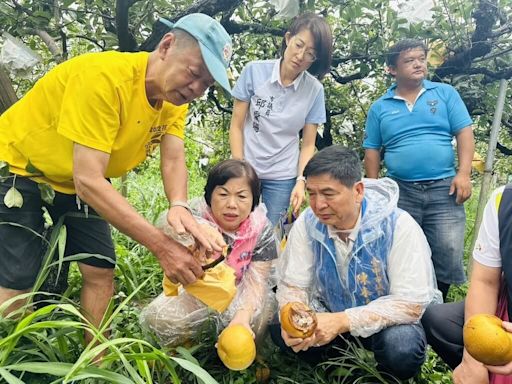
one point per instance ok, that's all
(236, 290)
(274, 101)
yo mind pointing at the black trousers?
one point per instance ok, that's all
(21, 236)
(443, 324)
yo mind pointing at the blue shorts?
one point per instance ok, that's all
(22, 233)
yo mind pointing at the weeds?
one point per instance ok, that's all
(46, 345)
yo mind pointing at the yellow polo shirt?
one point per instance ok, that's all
(97, 100)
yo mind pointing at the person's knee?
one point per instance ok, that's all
(149, 317)
(275, 334)
(443, 324)
(98, 278)
(8, 295)
(432, 318)
(401, 350)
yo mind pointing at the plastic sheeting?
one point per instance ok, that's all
(176, 319)
(16, 56)
(414, 11)
(286, 9)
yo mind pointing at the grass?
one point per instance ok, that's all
(47, 345)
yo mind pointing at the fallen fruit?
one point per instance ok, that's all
(298, 320)
(487, 341)
(236, 347)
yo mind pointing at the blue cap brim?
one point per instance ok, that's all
(215, 67)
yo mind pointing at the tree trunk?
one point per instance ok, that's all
(7, 93)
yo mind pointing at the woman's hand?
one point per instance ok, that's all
(243, 317)
(298, 195)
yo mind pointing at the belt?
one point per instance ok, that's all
(427, 182)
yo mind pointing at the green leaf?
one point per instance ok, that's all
(13, 198)
(47, 193)
(4, 170)
(341, 372)
(30, 168)
(9, 377)
(62, 247)
(187, 355)
(48, 221)
(196, 370)
(61, 369)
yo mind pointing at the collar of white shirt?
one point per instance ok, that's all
(409, 105)
(333, 232)
(276, 76)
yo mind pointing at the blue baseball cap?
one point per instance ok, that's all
(214, 42)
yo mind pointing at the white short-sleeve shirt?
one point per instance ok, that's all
(276, 115)
(487, 246)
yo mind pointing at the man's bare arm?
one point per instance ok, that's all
(372, 163)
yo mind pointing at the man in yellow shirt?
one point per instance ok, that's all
(94, 117)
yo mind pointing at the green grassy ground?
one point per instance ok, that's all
(46, 346)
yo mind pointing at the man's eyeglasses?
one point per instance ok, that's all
(299, 46)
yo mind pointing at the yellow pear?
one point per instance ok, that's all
(487, 341)
(236, 347)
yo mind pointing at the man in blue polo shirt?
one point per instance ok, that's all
(413, 124)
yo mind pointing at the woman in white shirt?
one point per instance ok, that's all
(274, 101)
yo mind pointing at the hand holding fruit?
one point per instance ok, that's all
(236, 347)
(243, 317)
(470, 371)
(298, 320)
(302, 328)
(506, 369)
(487, 341)
(298, 323)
